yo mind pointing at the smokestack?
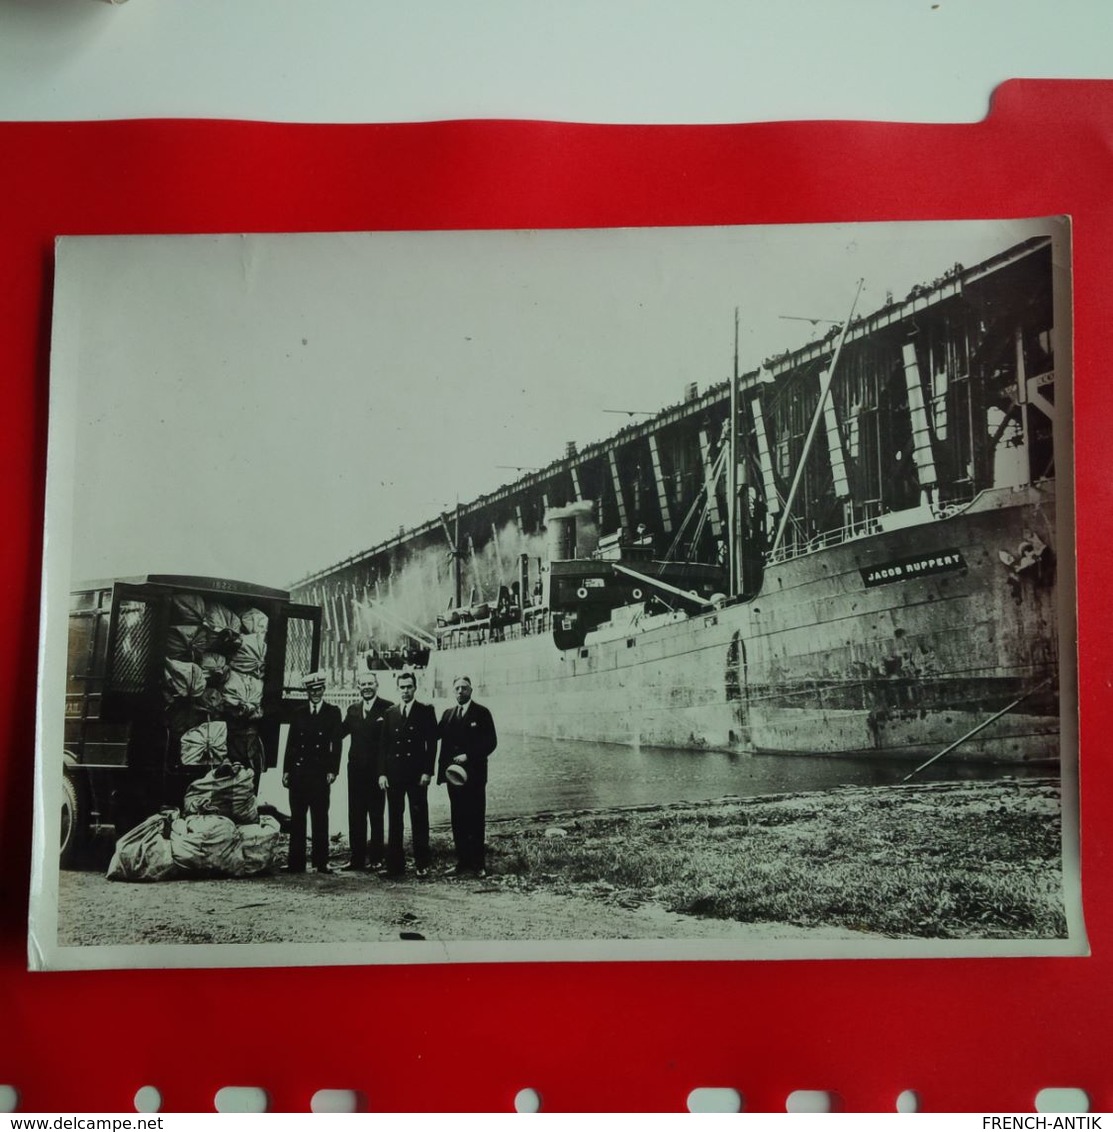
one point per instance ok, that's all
(569, 449)
(691, 392)
(561, 528)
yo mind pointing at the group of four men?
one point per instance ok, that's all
(391, 762)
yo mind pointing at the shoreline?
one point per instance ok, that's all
(942, 860)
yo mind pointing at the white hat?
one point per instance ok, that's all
(316, 679)
(456, 774)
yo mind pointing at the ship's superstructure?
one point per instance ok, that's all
(849, 549)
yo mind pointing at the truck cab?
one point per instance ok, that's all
(124, 717)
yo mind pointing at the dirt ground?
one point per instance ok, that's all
(363, 908)
(775, 867)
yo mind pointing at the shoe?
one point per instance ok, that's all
(421, 874)
(293, 868)
(351, 867)
(453, 871)
(324, 869)
(481, 874)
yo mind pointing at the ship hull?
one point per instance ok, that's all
(898, 645)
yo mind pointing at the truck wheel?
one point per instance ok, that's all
(73, 823)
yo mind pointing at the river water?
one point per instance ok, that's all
(534, 775)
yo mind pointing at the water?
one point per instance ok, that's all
(533, 775)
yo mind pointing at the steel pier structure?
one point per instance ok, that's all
(935, 399)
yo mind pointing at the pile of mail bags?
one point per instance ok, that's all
(219, 834)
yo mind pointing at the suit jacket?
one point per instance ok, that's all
(313, 744)
(408, 747)
(363, 752)
(474, 736)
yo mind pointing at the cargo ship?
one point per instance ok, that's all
(851, 550)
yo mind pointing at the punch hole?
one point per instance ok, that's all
(9, 1098)
(810, 1100)
(908, 1101)
(240, 1098)
(1062, 1100)
(527, 1100)
(148, 1099)
(714, 1100)
(337, 1100)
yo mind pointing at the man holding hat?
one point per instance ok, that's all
(467, 740)
(309, 769)
(366, 800)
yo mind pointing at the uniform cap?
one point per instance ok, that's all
(314, 679)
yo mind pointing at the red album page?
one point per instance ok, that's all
(966, 1034)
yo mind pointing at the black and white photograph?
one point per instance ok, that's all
(656, 593)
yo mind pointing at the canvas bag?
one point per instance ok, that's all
(143, 853)
(206, 843)
(205, 743)
(183, 679)
(259, 844)
(227, 790)
(243, 695)
(179, 642)
(222, 629)
(250, 656)
(254, 621)
(188, 609)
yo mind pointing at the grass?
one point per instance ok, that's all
(951, 860)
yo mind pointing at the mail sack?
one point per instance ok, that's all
(243, 695)
(259, 845)
(227, 790)
(183, 680)
(215, 666)
(206, 843)
(187, 609)
(205, 744)
(179, 642)
(250, 655)
(223, 626)
(254, 621)
(143, 853)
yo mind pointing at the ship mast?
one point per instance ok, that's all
(824, 393)
(732, 475)
(455, 554)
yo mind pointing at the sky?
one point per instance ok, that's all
(260, 407)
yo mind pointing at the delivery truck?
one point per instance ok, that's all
(164, 673)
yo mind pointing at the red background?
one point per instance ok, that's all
(969, 1035)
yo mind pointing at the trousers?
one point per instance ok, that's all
(309, 794)
(418, 798)
(366, 804)
(469, 815)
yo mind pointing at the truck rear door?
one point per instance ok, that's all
(137, 630)
(301, 640)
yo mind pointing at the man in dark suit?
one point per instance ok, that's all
(468, 739)
(309, 769)
(366, 801)
(407, 759)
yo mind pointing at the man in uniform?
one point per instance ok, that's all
(467, 740)
(407, 759)
(366, 799)
(309, 769)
